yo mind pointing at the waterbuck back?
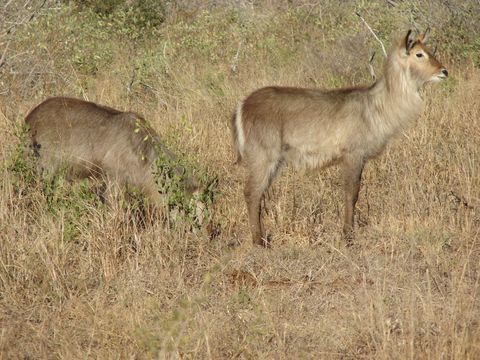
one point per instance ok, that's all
(317, 128)
(92, 140)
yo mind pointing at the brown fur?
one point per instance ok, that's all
(96, 141)
(315, 128)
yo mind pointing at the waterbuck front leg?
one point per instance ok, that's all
(352, 175)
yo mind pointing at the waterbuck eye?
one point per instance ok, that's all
(419, 55)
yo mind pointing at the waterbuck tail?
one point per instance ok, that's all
(238, 133)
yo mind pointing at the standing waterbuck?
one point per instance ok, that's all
(92, 140)
(317, 128)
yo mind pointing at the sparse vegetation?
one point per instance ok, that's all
(82, 279)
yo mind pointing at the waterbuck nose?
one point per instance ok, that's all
(445, 72)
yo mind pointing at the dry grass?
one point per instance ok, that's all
(408, 288)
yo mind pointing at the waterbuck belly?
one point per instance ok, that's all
(311, 158)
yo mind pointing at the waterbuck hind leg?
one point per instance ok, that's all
(352, 175)
(260, 176)
(254, 190)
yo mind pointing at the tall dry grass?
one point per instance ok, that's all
(83, 280)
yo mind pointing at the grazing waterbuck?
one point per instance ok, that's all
(92, 140)
(316, 128)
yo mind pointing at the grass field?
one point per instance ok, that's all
(80, 279)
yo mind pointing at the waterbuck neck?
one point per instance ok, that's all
(394, 101)
(397, 89)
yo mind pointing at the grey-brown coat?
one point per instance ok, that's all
(97, 141)
(316, 128)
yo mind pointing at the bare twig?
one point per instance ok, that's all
(375, 35)
(4, 54)
(28, 3)
(459, 199)
(132, 80)
(27, 19)
(8, 3)
(233, 66)
(391, 2)
(11, 30)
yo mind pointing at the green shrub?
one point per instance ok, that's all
(21, 163)
(72, 202)
(189, 190)
(102, 7)
(131, 18)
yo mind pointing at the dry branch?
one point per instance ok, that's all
(375, 35)
(233, 66)
(11, 29)
(4, 54)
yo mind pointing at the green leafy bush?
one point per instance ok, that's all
(22, 162)
(71, 202)
(189, 190)
(131, 18)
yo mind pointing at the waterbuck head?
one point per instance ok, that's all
(421, 64)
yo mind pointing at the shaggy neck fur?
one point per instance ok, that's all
(394, 100)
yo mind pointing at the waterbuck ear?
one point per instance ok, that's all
(409, 41)
(423, 38)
